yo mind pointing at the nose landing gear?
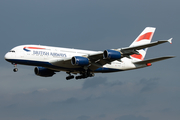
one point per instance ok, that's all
(15, 69)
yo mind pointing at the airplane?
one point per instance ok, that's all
(84, 63)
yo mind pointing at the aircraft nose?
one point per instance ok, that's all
(7, 56)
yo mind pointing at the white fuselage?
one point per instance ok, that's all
(37, 55)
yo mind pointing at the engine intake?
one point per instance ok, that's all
(43, 72)
(112, 54)
(79, 61)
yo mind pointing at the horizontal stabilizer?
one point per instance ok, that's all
(153, 60)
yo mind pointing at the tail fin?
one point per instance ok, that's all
(144, 38)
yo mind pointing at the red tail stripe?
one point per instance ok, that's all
(146, 36)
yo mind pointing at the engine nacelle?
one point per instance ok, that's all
(43, 72)
(79, 61)
(112, 54)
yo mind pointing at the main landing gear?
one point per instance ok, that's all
(15, 67)
(70, 76)
(83, 75)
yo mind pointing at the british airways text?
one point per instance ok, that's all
(43, 53)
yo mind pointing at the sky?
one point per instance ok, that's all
(150, 93)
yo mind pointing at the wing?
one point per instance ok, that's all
(153, 60)
(132, 50)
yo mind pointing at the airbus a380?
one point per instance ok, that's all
(84, 63)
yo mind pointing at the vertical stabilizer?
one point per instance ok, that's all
(144, 38)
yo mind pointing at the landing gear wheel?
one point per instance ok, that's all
(69, 77)
(15, 69)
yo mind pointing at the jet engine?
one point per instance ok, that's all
(43, 72)
(112, 54)
(79, 61)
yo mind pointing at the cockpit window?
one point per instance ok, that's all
(12, 51)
